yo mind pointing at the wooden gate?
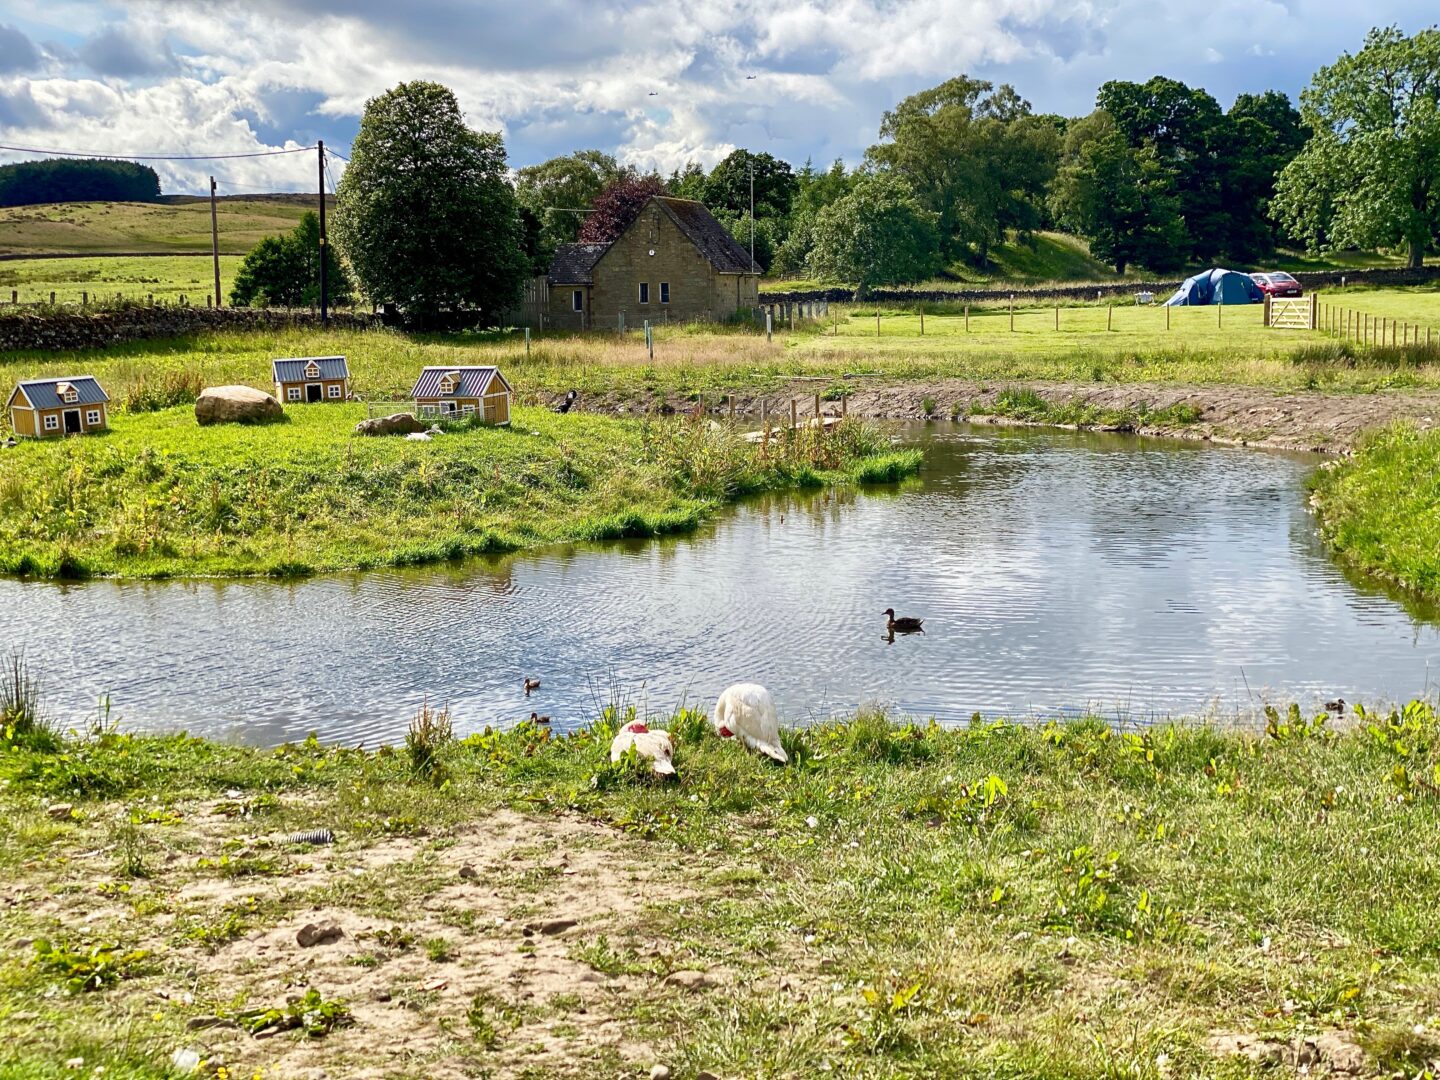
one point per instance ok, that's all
(1292, 314)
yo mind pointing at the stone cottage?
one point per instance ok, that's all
(673, 262)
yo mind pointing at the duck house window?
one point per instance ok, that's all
(664, 292)
(52, 422)
(292, 393)
(577, 300)
(447, 385)
(92, 417)
(312, 371)
(644, 292)
(334, 390)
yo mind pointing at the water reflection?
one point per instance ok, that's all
(1055, 572)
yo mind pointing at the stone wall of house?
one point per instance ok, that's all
(73, 328)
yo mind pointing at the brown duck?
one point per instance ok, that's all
(903, 625)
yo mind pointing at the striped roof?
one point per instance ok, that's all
(469, 381)
(292, 370)
(45, 393)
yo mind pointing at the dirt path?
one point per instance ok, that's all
(1251, 416)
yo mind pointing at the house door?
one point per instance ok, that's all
(312, 392)
(72, 422)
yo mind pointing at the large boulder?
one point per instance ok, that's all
(401, 423)
(236, 405)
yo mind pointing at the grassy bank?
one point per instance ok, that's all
(102, 279)
(101, 228)
(1057, 900)
(1380, 510)
(160, 496)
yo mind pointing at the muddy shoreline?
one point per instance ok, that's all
(1312, 421)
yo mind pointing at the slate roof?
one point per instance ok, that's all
(708, 235)
(472, 381)
(42, 395)
(332, 368)
(573, 262)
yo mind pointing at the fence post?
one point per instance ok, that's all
(967, 318)
(732, 406)
(1057, 317)
(922, 322)
(620, 322)
(767, 324)
(527, 341)
(1167, 316)
(1109, 315)
(1265, 315)
(52, 299)
(794, 415)
(14, 296)
(817, 405)
(1012, 313)
(877, 323)
(845, 404)
(1314, 311)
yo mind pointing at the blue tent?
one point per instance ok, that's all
(1217, 287)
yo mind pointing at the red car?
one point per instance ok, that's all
(1277, 284)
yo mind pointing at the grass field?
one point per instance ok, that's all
(159, 496)
(107, 227)
(1041, 902)
(103, 278)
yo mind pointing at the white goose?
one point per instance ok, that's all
(746, 712)
(654, 746)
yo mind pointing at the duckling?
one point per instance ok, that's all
(903, 625)
(531, 685)
(537, 719)
(1336, 706)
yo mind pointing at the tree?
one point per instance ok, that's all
(425, 213)
(1120, 198)
(554, 190)
(728, 185)
(617, 206)
(974, 155)
(1370, 175)
(77, 180)
(1265, 135)
(879, 234)
(687, 183)
(284, 271)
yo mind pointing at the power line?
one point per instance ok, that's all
(157, 157)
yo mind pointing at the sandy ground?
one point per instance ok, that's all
(1254, 416)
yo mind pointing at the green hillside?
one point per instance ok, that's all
(180, 223)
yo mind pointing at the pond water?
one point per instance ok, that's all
(1056, 572)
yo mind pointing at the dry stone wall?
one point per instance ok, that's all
(22, 329)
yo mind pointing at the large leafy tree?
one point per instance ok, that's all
(1265, 135)
(1370, 175)
(617, 206)
(974, 155)
(426, 214)
(555, 190)
(878, 234)
(284, 271)
(727, 188)
(1119, 197)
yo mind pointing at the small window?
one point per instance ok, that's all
(664, 292)
(427, 410)
(92, 417)
(292, 394)
(577, 300)
(51, 422)
(71, 395)
(312, 371)
(447, 406)
(644, 292)
(334, 390)
(467, 409)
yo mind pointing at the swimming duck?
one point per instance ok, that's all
(531, 685)
(903, 625)
(537, 719)
(654, 746)
(746, 712)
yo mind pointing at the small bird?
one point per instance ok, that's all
(531, 685)
(1336, 706)
(654, 93)
(749, 77)
(654, 746)
(903, 625)
(565, 406)
(746, 712)
(535, 718)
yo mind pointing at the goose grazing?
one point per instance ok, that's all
(531, 685)
(903, 625)
(654, 746)
(535, 718)
(746, 712)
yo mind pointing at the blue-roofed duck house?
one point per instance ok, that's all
(460, 392)
(72, 405)
(311, 379)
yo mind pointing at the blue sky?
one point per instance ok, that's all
(653, 81)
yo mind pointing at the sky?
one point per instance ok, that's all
(655, 82)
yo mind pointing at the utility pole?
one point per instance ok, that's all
(324, 253)
(752, 212)
(215, 241)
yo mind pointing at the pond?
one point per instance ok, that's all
(1056, 572)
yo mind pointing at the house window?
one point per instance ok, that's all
(468, 409)
(334, 390)
(51, 422)
(577, 300)
(292, 394)
(92, 417)
(70, 395)
(447, 385)
(644, 292)
(427, 410)
(664, 292)
(447, 406)
(312, 372)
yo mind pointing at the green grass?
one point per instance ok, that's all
(160, 496)
(103, 279)
(1380, 510)
(182, 224)
(1047, 900)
